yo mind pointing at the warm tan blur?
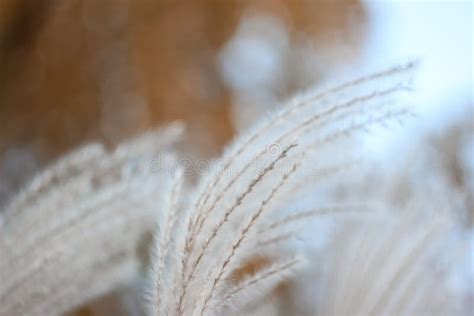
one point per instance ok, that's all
(76, 71)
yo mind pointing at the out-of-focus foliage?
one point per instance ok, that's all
(77, 71)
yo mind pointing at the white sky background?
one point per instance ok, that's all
(439, 34)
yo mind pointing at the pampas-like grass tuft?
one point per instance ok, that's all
(225, 245)
(234, 203)
(76, 231)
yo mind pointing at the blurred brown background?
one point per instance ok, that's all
(76, 71)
